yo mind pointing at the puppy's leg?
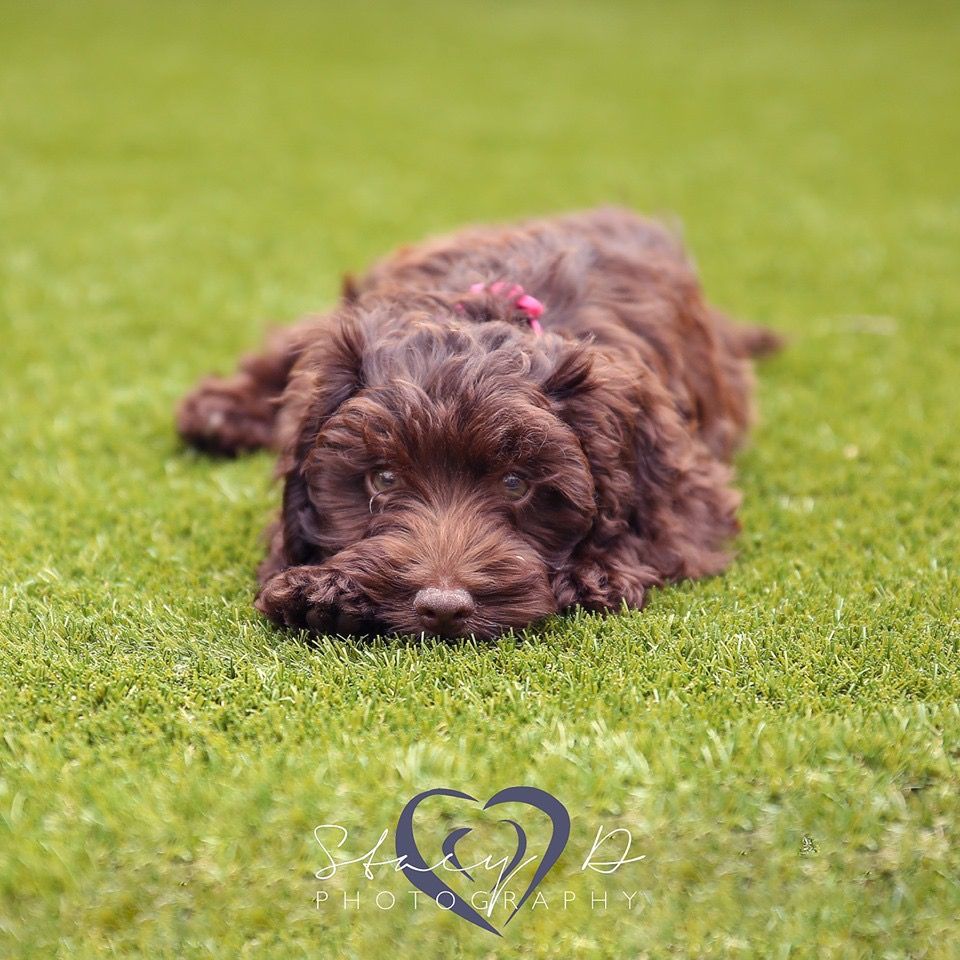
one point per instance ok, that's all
(314, 598)
(303, 598)
(236, 414)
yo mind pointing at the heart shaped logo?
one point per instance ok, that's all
(416, 869)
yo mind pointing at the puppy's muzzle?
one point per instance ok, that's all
(443, 611)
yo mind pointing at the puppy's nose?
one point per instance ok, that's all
(443, 611)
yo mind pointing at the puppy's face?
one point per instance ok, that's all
(440, 491)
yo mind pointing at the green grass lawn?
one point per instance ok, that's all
(782, 742)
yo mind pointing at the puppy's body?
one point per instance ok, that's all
(453, 466)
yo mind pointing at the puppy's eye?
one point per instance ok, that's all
(380, 481)
(514, 486)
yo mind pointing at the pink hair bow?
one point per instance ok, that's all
(522, 300)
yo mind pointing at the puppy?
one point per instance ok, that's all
(493, 427)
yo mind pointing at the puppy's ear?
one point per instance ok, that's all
(597, 401)
(325, 377)
(664, 505)
(570, 374)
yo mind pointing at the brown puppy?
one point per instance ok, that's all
(492, 427)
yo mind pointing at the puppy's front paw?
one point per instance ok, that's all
(226, 416)
(304, 598)
(600, 587)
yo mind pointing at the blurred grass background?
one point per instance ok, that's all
(782, 741)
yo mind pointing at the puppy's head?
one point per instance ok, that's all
(429, 472)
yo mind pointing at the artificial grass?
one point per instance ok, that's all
(781, 741)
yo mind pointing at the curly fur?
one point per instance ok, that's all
(622, 416)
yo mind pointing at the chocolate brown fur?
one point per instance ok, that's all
(622, 417)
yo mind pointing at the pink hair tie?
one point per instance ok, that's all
(531, 306)
(523, 301)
